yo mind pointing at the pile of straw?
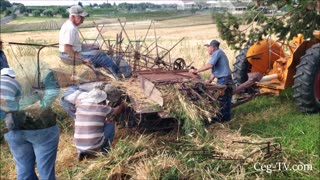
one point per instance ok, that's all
(192, 114)
(155, 156)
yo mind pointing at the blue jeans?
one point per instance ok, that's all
(101, 59)
(109, 130)
(225, 100)
(3, 60)
(98, 58)
(30, 146)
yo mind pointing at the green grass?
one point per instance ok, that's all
(278, 117)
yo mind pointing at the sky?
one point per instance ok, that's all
(86, 2)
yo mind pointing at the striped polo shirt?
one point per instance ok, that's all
(89, 126)
(10, 93)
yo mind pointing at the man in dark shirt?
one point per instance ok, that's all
(3, 58)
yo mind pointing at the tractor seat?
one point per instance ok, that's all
(98, 71)
(69, 61)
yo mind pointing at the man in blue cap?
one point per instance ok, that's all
(220, 69)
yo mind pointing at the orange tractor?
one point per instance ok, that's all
(273, 66)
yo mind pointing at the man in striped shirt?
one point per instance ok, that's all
(74, 94)
(10, 94)
(34, 138)
(93, 131)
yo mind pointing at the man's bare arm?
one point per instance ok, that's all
(69, 50)
(204, 68)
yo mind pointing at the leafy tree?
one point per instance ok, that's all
(4, 5)
(48, 12)
(7, 12)
(105, 5)
(200, 3)
(36, 13)
(21, 8)
(14, 16)
(239, 31)
(193, 10)
(59, 10)
(65, 15)
(18, 7)
(137, 7)
(125, 6)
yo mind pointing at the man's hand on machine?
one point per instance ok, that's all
(193, 70)
(87, 61)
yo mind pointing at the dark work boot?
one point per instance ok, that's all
(80, 156)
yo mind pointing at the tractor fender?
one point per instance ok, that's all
(263, 54)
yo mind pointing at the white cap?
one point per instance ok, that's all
(8, 72)
(82, 95)
(77, 10)
(95, 96)
(76, 96)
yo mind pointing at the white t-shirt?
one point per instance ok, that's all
(69, 35)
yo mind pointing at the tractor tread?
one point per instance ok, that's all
(241, 67)
(304, 79)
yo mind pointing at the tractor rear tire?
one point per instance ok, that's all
(307, 81)
(241, 67)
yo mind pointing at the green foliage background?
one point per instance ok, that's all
(239, 31)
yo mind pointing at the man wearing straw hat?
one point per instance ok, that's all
(75, 93)
(93, 130)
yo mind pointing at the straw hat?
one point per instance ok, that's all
(95, 96)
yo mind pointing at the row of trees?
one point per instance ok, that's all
(301, 17)
(136, 7)
(4, 5)
(17, 8)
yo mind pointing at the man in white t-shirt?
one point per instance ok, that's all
(70, 46)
